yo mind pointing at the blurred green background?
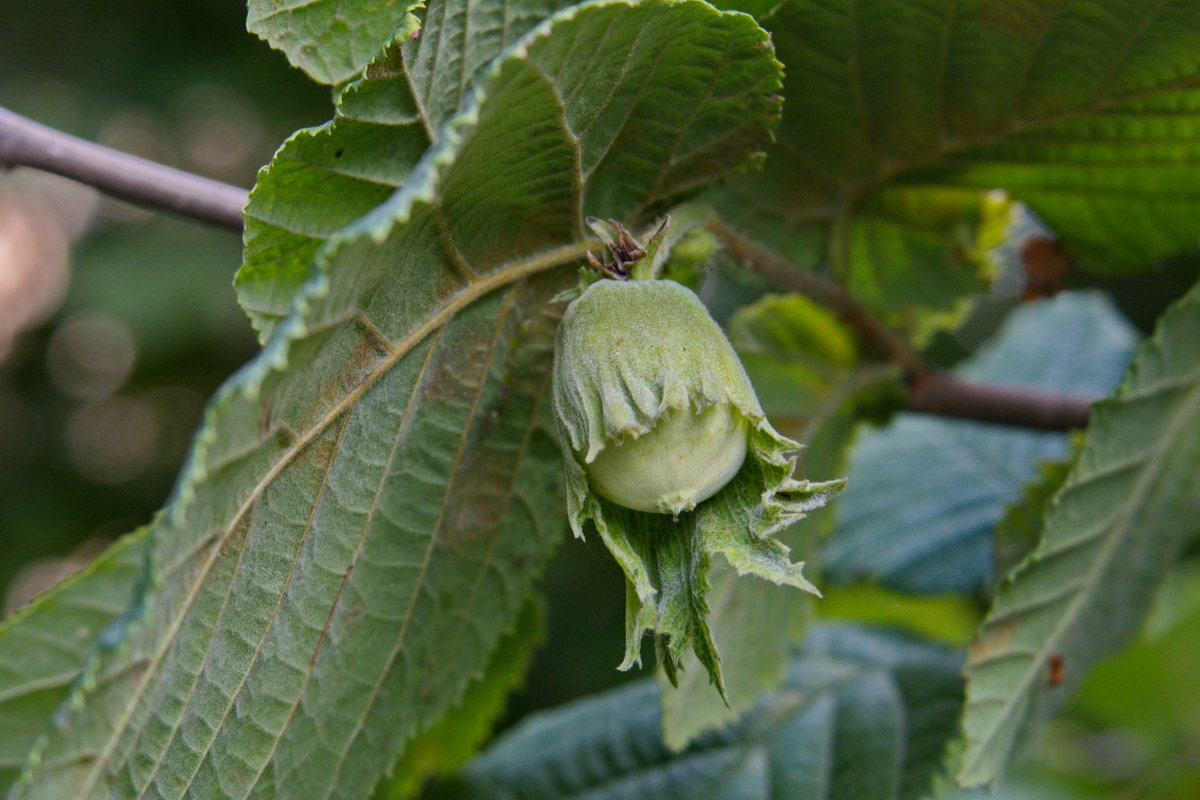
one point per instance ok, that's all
(117, 324)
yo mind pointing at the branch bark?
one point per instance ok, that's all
(945, 395)
(25, 143)
(786, 275)
(930, 391)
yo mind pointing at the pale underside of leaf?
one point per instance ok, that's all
(44, 646)
(448, 744)
(925, 493)
(1130, 502)
(861, 714)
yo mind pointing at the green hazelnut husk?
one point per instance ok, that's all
(642, 369)
(669, 455)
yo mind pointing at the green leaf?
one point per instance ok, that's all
(44, 645)
(331, 40)
(1017, 532)
(753, 625)
(448, 744)
(861, 714)
(952, 619)
(759, 9)
(324, 178)
(321, 180)
(925, 493)
(1129, 504)
(1016, 790)
(370, 499)
(1152, 686)
(796, 353)
(1087, 110)
(947, 237)
(804, 366)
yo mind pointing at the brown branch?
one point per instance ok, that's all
(930, 392)
(786, 275)
(29, 144)
(25, 143)
(945, 395)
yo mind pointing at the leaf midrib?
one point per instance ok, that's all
(1118, 533)
(419, 584)
(469, 294)
(262, 640)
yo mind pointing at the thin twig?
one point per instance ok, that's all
(945, 395)
(786, 275)
(30, 144)
(25, 143)
(930, 391)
